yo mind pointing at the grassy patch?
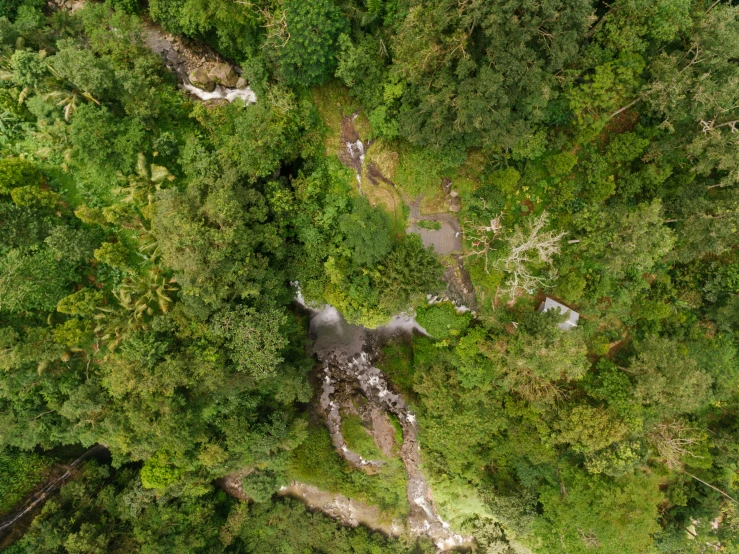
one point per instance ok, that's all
(427, 224)
(333, 103)
(316, 462)
(397, 362)
(359, 439)
(20, 473)
(398, 430)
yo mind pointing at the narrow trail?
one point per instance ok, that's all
(46, 490)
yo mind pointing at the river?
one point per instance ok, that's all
(346, 352)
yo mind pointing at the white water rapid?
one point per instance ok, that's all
(346, 352)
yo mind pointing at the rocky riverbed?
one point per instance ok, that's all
(346, 352)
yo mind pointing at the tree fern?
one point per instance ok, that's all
(374, 6)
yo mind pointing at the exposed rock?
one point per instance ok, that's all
(454, 194)
(199, 77)
(455, 204)
(241, 83)
(223, 74)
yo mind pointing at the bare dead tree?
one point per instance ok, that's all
(482, 237)
(590, 539)
(673, 440)
(530, 246)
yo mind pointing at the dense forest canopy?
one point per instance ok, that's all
(153, 245)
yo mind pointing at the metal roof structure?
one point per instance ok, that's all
(572, 315)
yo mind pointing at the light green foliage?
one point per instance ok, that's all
(82, 302)
(442, 321)
(316, 462)
(617, 515)
(358, 438)
(34, 197)
(28, 68)
(458, 501)
(114, 254)
(588, 428)
(560, 164)
(667, 378)
(540, 354)
(74, 334)
(617, 460)
(157, 473)
(17, 172)
(253, 338)
(629, 240)
(257, 140)
(506, 180)
(397, 363)
(81, 68)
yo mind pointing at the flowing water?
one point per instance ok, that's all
(346, 352)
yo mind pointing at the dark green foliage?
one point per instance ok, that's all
(260, 486)
(20, 472)
(410, 271)
(102, 140)
(619, 514)
(150, 247)
(442, 321)
(288, 525)
(308, 56)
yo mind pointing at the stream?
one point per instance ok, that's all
(346, 352)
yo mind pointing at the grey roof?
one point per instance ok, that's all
(572, 317)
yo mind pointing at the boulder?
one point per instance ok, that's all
(241, 83)
(199, 78)
(455, 204)
(223, 74)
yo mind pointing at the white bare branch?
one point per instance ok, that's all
(530, 248)
(673, 440)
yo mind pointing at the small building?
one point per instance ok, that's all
(572, 315)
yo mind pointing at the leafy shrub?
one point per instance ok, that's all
(260, 486)
(17, 172)
(442, 321)
(20, 472)
(309, 56)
